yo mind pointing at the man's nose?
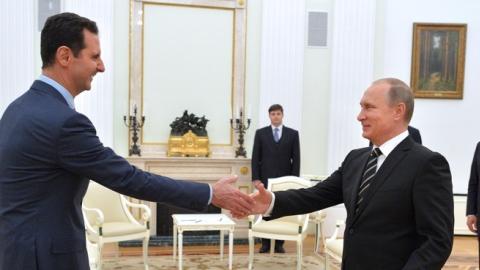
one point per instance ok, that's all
(101, 66)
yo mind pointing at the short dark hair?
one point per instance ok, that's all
(64, 29)
(275, 107)
(400, 92)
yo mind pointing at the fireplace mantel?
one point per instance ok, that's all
(205, 170)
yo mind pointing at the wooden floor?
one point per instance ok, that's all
(462, 245)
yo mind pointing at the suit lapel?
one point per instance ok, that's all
(269, 136)
(284, 134)
(397, 155)
(357, 177)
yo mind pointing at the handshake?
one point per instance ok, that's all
(227, 196)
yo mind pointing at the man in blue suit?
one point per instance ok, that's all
(48, 153)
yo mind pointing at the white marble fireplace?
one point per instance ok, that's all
(205, 170)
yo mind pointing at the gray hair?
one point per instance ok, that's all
(399, 92)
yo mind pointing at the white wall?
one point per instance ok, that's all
(316, 97)
(447, 126)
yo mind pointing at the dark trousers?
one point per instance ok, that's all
(478, 237)
(266, 243)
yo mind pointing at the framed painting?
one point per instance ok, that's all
(438, 60)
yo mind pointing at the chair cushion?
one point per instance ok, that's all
(276, 227)
(120, 228)
(335, 246)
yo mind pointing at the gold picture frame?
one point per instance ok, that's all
(438, 60)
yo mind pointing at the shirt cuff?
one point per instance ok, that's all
(270, 208)
(211, 194)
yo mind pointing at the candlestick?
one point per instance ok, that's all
(238, 124)
(135, 126)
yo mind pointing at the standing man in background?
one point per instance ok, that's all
(415, 134)
(49, 152)
(276, 153)
(473, 199)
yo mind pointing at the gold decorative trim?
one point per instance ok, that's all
(244, 170)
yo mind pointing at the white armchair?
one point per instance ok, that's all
(334, 246)
(318, 217)
(108, 219)
(290, 228)
(92, 250)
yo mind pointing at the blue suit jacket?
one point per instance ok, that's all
(48, 153)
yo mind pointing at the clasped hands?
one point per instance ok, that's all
(227, 196)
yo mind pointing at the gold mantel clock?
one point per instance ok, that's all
(188, 145)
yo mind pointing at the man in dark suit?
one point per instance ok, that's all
(48, 153)
(276, 153)
(398, 196)
(473, 199)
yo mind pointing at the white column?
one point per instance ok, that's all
(97, 103)
(282, 57)
(17, 49)
(352, 73)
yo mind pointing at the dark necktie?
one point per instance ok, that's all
(275, 135)
(367, 177)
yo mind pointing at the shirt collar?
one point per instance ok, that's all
(388, 146)
(279, 127)
(62, 90)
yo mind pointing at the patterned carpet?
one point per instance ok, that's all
(261, 262)
(190, 262)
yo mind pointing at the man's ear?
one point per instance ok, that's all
(400, 111)
(63, 55)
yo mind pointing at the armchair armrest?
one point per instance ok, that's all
(337, 230)
(303, 222)
(99, 219)
(253, 219)
(146, 213)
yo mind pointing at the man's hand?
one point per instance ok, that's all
(256, 182)
(227, 196)
(263, 199)
(472, 223)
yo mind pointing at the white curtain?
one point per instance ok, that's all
(17, 49)
(282, 57)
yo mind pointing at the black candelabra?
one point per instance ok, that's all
(239, 125)
(134, 125)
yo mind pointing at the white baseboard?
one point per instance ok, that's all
(460, 209)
